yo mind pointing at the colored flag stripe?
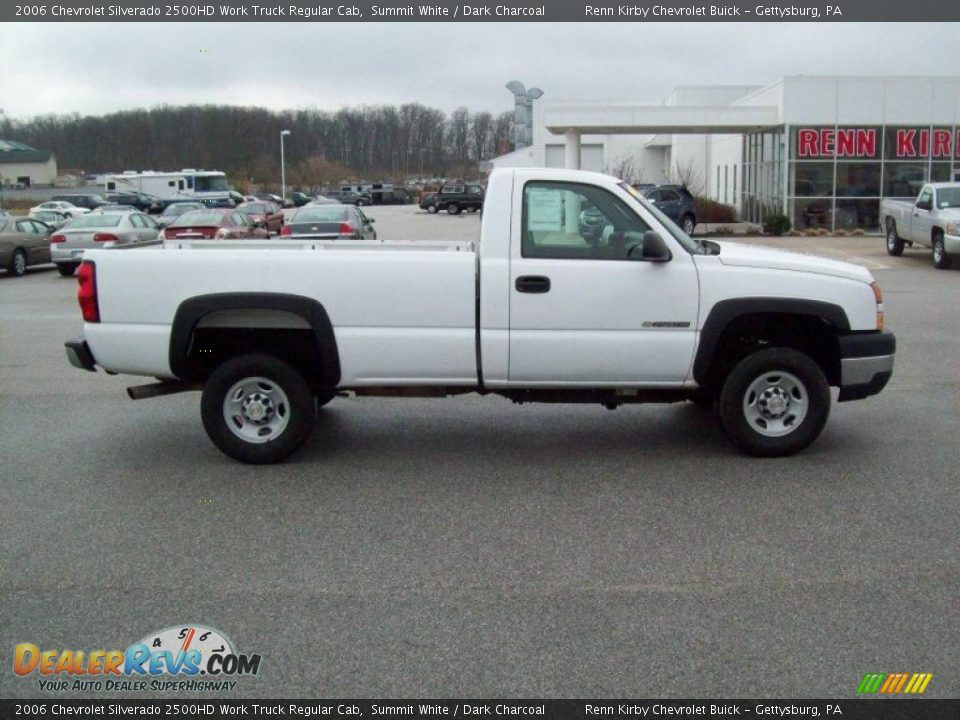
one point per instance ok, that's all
(891, 679)
(914, 682)
(877, 680)
(926, 681)
(899, 686)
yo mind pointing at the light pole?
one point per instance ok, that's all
(283, 168)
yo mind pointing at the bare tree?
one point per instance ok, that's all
(690, 178)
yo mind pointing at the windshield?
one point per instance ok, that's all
(198, 217)
(97, 220)
(688, 243)
(331, 213)
(948, 197)
(216, 183)
(256, 208)
(175, 210)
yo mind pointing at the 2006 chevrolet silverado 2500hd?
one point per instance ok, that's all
(638, 312)
(932, 220)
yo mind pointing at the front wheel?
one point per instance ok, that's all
(894, 241)
(453, 209)
(774, 402)
(688, 224)
(432, 209)
(18, 263)
(257, 409)
(941, 260)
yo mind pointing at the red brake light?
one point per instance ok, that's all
(87, 291)
(286, 230)
(105, 237)
(346, 229)
(58, 238)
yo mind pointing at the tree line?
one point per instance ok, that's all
(367, 142)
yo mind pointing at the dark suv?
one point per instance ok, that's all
(90, 202)
(138, 200)
(454, 198)
(677, 203)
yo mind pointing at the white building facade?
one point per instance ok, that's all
(822, 150)
(26, 166)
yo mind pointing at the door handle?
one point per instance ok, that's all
(537, 284)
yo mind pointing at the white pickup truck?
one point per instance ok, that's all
(544, 309)
(932, 220)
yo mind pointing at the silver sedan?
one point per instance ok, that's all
(95, 230)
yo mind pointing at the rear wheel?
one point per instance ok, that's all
(453, 209)
(894, 241)
(257, 409)
(67, 269)
(18, 263)
(774, 402)
(941, 260)
(688, 224)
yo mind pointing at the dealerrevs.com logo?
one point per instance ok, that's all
(183, 657)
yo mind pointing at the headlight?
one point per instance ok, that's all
(953, 228)
(878, 295)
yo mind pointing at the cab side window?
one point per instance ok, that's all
(583, 222)
(926, 198)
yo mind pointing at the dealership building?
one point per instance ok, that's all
(822, 150)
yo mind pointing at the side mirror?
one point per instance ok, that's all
(653, 249)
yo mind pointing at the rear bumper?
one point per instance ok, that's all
(866, 364)
(79, 355)
(59, 255)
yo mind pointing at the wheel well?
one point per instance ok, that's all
(934, 232)
(809, 334)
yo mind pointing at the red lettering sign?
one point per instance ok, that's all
(941, 143)
(847, 143)
(866, 143)
(905, 146)
(807, 143)
(826, 142)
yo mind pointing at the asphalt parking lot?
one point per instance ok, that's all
(468, 547)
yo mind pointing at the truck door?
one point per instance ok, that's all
(584, 308)
(921, 220)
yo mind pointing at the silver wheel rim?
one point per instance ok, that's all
(938, 249)
(776, 403)
(890, 239)
(688, 226)
(256, 410)
(19, 264)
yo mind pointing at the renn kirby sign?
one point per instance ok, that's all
(865, 143)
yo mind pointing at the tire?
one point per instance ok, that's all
(471, 209)
(796, 407)
(688, 223)
(67, 269)
(18, 263)
(432, 209)
(894, 241)
(257, 409)
(941, 260)
(453, 208)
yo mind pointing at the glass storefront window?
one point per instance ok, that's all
(858, 179)
(853, 214)
(811, 213)
(940, 172)
(903, 179)
(811, 179)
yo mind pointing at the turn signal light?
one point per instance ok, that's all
(878, 295)
(87, 292)
(58, 238)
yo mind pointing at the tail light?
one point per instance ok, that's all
(346, 229)
(105, 237)
(286, 230)
(58, 238)
(87, 291)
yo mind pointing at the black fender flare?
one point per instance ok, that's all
(191, 311)
(726, 311)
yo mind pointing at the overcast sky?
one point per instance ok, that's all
(98, 68)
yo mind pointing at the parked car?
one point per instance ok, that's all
(330, 222)
(174, 210)
(270, 197)
(90, 202)
(138, 201)
(264, 213)
(213, 224)
(69, 243)
(113, 207)
(322, 200)
(23, 242)
(677, 203)
(298, 199)
(67, 208)
(54, 218)
(4, 214)
(236, 197)
(533, 313)
(349, 197)
(932, 221)
(454, 199)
